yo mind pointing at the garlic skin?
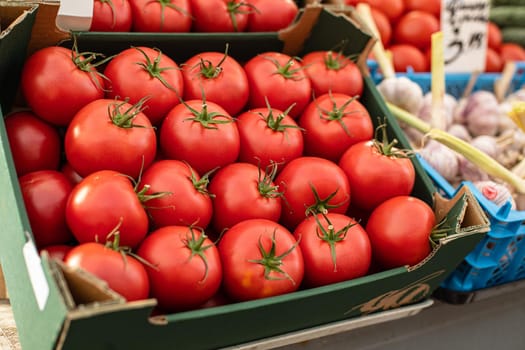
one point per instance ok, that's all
(480, 113)
(468, 171)
(402, 92)
(449, 106)
(444, 160)
(487, 144)
(460, 131)
(497, 193)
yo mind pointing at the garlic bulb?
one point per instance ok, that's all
(471, 172)
(486, 144)
(442, 159)
(402, 92)
(479, 113)
(498, 194)
(460, 131)
(449, 106)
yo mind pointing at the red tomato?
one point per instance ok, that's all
(188, 268)
(511, 52)
(57, 251)
(399, 230)
(494, 36)
(220, 78)
(415, 28)
(55, 86)
(405, 56)
(111, 16)
(331, 72)
(311, 185)
(384, 27)
(142, 72)
(161, 15)
(103, 201)
(34, 143)
(430, 6)
(45, 193)
(179, 196)
(268, 135)
(377, 172)
(200, 133)
(271, 15)
(272, 73)
(335, 248)
(260, 258)
(237, 184)
(220, 15)
(493, 61)
(332, 123)
(393, 9)
(123, 274)
(110, 135)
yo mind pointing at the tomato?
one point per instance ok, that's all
(384, 27)
(511, 52)
(220, 15)
(123, 273)
(399, 230)
(188, 269)
(494, 36)
(332, 123)
(430, 6)
(393, 9)
(272, 73)
(103, 201)
(56, 251)
(161, 15)
(57, 82)
(415, 28)
(311, 185)
(111, 16)
(260, 258)
(142, 72)
(335, 248)
(237, 184)
(179, 196)
(493, 61)
(220, 78)
(110, 135)
(34, 143)
(405, 56)
(271, 15)
(376, 172)
(331, 72)
(45, 193)
(201, 133)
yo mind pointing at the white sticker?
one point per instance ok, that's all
(36, 273)
(74, 15)
(464, 27)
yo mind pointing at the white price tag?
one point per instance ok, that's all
(464, 27)
(36, 273)
(74, 15)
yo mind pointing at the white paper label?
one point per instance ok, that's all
(74, 15)
(464, 27)
(36, 273)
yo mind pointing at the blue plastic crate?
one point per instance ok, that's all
(500, 256)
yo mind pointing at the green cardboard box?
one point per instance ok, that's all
(55, 308)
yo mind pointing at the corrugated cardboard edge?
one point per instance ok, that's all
(3, 288)
(26, 9)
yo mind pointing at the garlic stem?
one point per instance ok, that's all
(486, 163)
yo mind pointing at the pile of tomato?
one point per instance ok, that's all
(211, 180)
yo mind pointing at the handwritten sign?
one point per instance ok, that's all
(464, 27)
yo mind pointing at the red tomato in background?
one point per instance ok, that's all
(57, 251)
(220, 15)
(270, 74)
(384, 27)
(494, 36)
(330, 71)
(415, 28)
(376, 176)
(123, 274)
(201, 133)
(335, 248)
(54, 86)
(34, 143)
(110, 135)
(268, 135)
(184, 197)
(188, 269)
(399, 230)
(111, 16)
(260, 258)
(511, 52)
(493, 61)
(271, 15)
(332, 123)
(45, 193)
(430, 6)
(103, 201)
(141, 72)
(237, 184)
(405, 56)
(161, 15)
(298, 180)
(393, 9)
(220, 78)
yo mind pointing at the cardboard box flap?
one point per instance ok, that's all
(12, 14)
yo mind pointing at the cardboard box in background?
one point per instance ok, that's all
(55, 308)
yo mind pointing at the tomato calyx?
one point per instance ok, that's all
(334, 61)
(201, 185)
(336, 114)
(235, 8)
(322, 206)
(272, 262)
(154, 69)
(167, 3)
(85, 61)
(265, 183)
(388, 148)
(275, 122)
(286, 70)
(331, 236)
(113, 12)
(207, 119)
(207, 69)
(197, 247)
(124, 119)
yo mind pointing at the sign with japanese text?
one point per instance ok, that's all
(464, 27)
